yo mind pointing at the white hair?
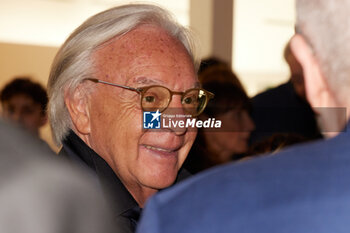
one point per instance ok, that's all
(326, 26)
(73, 63)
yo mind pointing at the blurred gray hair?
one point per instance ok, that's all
(326, 26)
(73, 63)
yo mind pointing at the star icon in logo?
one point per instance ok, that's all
(156, 115)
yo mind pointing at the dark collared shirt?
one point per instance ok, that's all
(124, 207)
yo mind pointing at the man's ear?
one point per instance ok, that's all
(320, 97)
(78, 108)
(316, 87)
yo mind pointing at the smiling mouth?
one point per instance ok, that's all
(158, 149)
(162, 150)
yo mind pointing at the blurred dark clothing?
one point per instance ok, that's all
(281, 110)
(197, 160)
(274, 144)
(125, 209)
(41, 193)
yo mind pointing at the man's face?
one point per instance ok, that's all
(145, 56)
(23, 110)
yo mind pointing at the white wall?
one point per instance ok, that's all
(201, 23)
(261, 30)
(49, 22)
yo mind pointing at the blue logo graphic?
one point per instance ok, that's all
(151, 120)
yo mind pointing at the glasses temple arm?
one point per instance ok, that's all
(113, 84)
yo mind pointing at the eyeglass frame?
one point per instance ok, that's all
(142, 90)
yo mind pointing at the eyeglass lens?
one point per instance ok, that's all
(154, 98)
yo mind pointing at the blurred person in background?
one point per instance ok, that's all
(24, 102)
(210, 62)
(118, 64)
(274, 144)
(232, 106)
(285, 109)
(219, 73)
(41, 193)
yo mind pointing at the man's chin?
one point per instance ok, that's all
(160, 181)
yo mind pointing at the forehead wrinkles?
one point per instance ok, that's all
(143, 46)
(151, 42)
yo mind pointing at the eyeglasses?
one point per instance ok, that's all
(157, 97)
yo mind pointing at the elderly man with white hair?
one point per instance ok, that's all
(118, 64)
(302, 189)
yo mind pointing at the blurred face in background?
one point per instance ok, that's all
(231, 106)
(23, 110)
(233, 136)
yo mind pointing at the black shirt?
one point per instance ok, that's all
(124, 207)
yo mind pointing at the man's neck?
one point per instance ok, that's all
(332, 121)
(140, 194)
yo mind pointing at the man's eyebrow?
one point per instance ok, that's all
(146, 81)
